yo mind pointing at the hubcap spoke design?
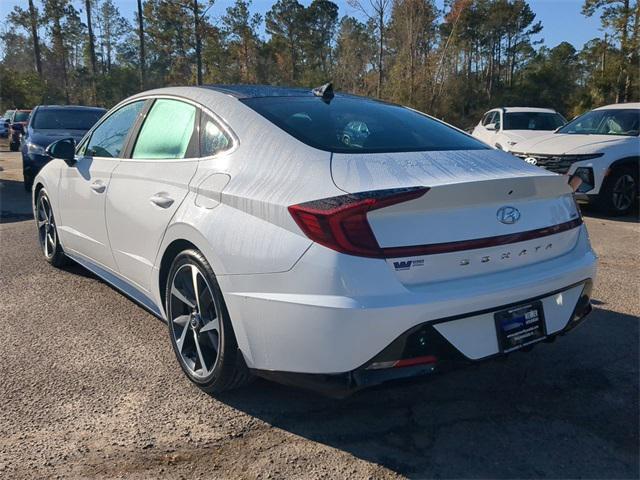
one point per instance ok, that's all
(195, 323)
(46, 227)
(624, 192)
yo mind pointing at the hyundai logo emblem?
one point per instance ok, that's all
(531, 160)
(508, 215)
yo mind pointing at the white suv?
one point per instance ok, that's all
(506, 126)
(602, 147)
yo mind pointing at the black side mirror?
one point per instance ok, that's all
(64, 149)
(17, 127)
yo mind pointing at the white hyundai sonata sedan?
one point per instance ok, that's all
(329, 241)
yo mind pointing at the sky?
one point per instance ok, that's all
(561, 19)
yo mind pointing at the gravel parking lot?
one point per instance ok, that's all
(90, 388)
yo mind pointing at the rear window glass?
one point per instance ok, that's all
(21, 116)
(532, 121)
(167, 131)
(358, 125)
(66, 119)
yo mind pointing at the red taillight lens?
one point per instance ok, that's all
(340, 223)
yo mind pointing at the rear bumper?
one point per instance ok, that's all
(331, 314)
(428, 346)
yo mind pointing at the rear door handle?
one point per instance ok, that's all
(98, 186)
(162, 199)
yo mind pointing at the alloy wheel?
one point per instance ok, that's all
(195, 320)
(46, 227)
(624, 191)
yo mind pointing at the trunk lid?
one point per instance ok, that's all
(465, 224)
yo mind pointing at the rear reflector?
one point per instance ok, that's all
(405, 362)
(340, 223)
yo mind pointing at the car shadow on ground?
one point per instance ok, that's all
(592, 212)
(15, 202)
(521, 418)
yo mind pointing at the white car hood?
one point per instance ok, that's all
(523, 135)
(560, 143)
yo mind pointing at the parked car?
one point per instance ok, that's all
(602, 147)
(4, 123)
(47, 124)
(506, 126)
(4, 127)
(272, 247)
(17, 122)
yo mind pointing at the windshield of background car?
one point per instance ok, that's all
(624, 121)
(358, 125)
(21, 116)
(65, 119)
(532, 121)
(7, 114)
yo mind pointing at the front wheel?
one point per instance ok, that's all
(13, 146)
(47, 231)
(619, 193)
(199, 326)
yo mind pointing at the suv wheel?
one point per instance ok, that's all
(619, 192)
(199, 326)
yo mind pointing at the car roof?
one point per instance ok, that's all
(620, 105)
(255, 91)
(68, 107)
(526, 109)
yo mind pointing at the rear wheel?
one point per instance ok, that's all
(199, 326)
(619, 193)
(47, 231)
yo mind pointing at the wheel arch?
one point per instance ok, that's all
(630, 161)
(178, 237)
(172, 250)
(182, 236)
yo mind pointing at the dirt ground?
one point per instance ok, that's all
(90, 389)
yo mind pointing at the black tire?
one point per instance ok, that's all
(48, 233)
(228, 370)
(27, 182)
(619, 193)
(13, 146)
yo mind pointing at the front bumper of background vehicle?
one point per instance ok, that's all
(419, 352)
(32, 163)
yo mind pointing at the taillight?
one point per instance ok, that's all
(340, 223)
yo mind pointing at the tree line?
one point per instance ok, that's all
(453, 63)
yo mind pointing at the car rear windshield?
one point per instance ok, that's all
(610, 121)
(532, 121)
(66, 119)
(359, 125)
(21, 116)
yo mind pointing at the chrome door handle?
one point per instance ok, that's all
(98, 186)
(162, 199)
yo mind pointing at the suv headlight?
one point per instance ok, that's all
(586, 175)
(34, 149)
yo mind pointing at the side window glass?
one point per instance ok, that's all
(487, 118)
(167, 131)
(212, 138)
(108, 138)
